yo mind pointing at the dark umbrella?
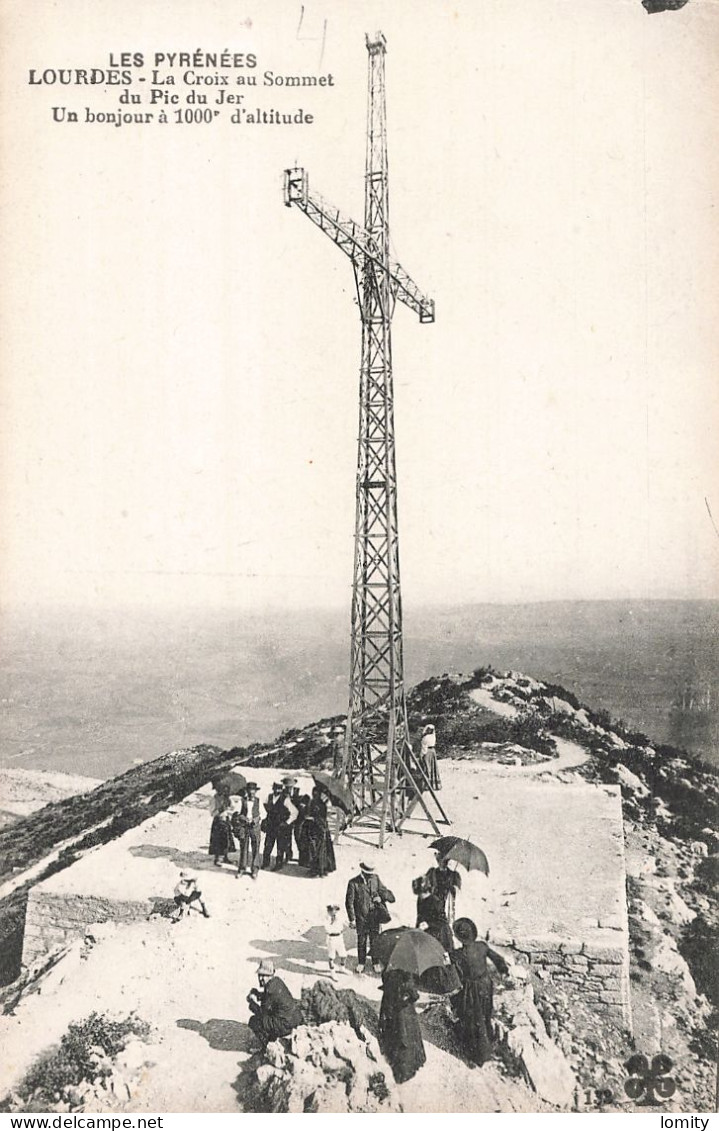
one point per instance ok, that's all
(340, 793)
(230, 783)
(405, 948)
(463, 852)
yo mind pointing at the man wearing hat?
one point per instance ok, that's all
(246, 827)
(287, 814)
(271, 823)
(275, 1013)
(365, 902)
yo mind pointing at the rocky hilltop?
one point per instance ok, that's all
(557, 1049)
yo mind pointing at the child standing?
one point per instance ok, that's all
(334, 926)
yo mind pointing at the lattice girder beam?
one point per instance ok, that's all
(354, 240)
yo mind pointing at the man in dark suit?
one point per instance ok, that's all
(245, 823)
(286, 813)
(272, 823)
(365, 902)
(275, 1013)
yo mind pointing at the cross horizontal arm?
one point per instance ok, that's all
(354, 240)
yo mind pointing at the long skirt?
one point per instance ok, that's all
(440, 979)
(400, 1039)
(321, 857)
(474, 1009)
(302, 830)
(432, 769)
(221, 838)
(440, 930)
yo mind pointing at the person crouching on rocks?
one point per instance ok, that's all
(187, 893)
(473, 1003)
(275, 1013)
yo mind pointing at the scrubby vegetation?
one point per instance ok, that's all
(322, 1002)
(462, 724)
(698, 945)
(84, 1056)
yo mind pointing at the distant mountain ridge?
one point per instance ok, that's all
(93, 692)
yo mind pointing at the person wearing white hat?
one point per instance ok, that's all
(428, 756)
(366, 903)
(187, 893)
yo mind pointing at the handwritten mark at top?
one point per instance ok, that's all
(306, 35)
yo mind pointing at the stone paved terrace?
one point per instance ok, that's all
(555, 894)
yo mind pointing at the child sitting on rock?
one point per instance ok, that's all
(187, 893)
(334, 926)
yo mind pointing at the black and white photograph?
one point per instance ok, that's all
(359, 559)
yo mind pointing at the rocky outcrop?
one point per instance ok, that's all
(522, 1030)
(325, 1068)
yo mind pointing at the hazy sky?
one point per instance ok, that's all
(180, 352)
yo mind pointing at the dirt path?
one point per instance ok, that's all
(571, 754)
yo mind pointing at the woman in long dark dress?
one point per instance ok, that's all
(432, 917)
(400, 1036)
(445, 882)
(431, 911)
(302, 804)
(321, 853)
(473, 1003)
(221, 839)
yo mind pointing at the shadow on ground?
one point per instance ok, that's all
(199, 861)
(163, 906)
(438, 1030)
(294, 955)
(221, 1033)
(245, 1085)
(318, 936)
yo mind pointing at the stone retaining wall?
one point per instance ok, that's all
(52, 920)
(596, 971)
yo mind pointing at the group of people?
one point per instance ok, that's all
(472, 997)
(291, 821)
(399, 1029)
(295, 826)
(275, 1012)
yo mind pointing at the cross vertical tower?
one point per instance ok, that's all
(386, 777)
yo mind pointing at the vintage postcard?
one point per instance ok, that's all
(359, 548)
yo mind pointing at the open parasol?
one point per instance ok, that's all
(405, 948)
(462, 852)
(340, 793)
(230, 783)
